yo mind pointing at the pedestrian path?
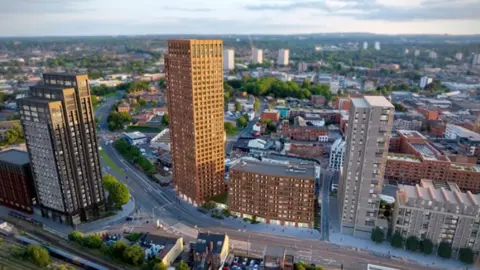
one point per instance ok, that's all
(386, 250)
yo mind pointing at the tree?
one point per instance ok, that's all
(378, 236)
(256, 105)
(242, 122)
(93, 241)
(116, 120)
(142, 101)
(466, 255)
(133, 255)
(160, 266)
(238, 106)
(397, 240)
(412, 243)
(426, 246)
(155, 103)
(109, 181)
(182, 266)
(161, 83)
(444, 250)
(165, 119)
(76, 236)
(299, 266)
(399, 107)
(38, 255)
(119, 194)
(229, 127)
(117, 249)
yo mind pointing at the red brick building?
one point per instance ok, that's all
(430, 114)
(124, 107)
(412, 158)
(16, 182)
(302, 133)
(273, 115)
(318, 100)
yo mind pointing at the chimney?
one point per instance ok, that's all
(211, 246)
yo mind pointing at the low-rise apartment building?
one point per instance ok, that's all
(303, 133)
(439, 211)
(416, 159)
(273, 193)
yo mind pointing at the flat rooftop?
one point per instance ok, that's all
(135, 135)
(440, 192)
(411, 134)
(425, 151)
(403, 157)
(275, 169)
(14, 156)
(378, 101)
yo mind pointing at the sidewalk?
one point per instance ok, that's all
(64, 229)
(385, 249)
(241, 225)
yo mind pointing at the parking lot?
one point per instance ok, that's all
(234, 262)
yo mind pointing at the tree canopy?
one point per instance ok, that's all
(412, 243)
(165, 119)
(242, 122)
(38, 255)
(116, 120)
(397, 240)
(118, 192)
(466, 255)
(133, 255)
(426, 246)
(444, 250)
(160, 266)
(378, 236)
(137, 86)
(182, 266)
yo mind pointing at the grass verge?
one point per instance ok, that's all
(110, 163)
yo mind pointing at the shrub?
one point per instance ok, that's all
(76, 236)
(93, 241)
(38, 255)
(378, 236)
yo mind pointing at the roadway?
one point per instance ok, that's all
(158, 203)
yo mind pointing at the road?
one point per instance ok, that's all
(156, 203)
(327, 180)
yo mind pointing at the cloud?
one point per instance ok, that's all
(289, 6)
(188, 9)
(41, 6)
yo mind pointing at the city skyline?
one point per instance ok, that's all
(59, 17)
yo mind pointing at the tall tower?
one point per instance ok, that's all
(59, 127)
(195, 107)
(257, 57)
(283, 57)
(228, 59)
(369, 128)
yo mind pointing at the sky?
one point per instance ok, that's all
(140, 17)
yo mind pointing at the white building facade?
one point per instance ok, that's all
(228, 59)
(283, 55)
(257, 57)
(337, 153)
(424, 81)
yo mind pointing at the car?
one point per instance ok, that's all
(334, 187)
(129, 218)
(235, 260)
(255, 267)
(252, 262)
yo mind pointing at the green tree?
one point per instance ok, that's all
(119, 194)
(116, 120)
(378, 236)
(133, 255)
(182, 266)
(117, 249)
(160, 266)
(444, 250)
(38, 255)
(426, 246)
(397, 240)
(299, 266)
(399, 107)
(256, 105)
(242, 122)
(137, 86)
(238, 106)
(93, 241)
(412, 243)
(142, 101)
(161, 83)
(229, 127)
(165, 119)
(109, 181)
(154, 103)
(76, 236)
(466, 255)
